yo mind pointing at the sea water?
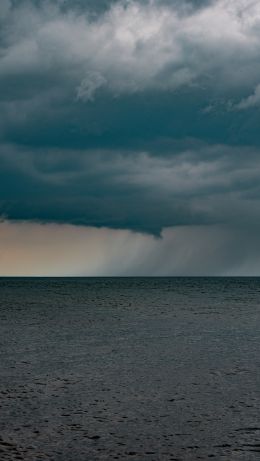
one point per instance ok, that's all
(130, 368)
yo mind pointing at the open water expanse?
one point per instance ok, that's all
(143, 369)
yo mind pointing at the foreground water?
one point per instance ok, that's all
(140, 369)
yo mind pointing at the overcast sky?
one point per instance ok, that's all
(129, 137)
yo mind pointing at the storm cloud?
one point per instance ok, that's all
(140, 118)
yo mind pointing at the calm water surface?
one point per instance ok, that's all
(140, 368)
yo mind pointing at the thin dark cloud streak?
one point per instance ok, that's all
(131, 189)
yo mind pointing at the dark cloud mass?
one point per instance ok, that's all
(136, 115)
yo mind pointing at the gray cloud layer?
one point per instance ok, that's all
(134, 190)
(132, 46)
(135, 115)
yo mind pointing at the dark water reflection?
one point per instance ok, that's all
(142, 369)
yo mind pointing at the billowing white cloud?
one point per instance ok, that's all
(134, 45)
(251, 101)
(88, 87)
